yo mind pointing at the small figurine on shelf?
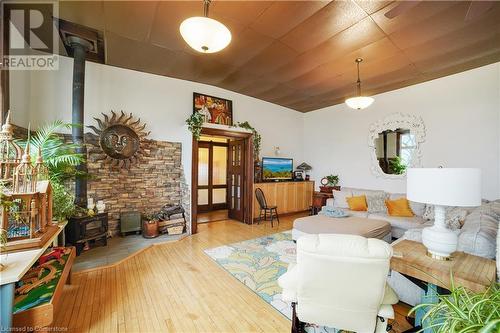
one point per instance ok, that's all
(100, 206)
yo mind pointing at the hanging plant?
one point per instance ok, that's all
(195, 122)
(256, 138)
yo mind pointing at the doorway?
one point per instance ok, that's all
(213, 193)
(222, 177)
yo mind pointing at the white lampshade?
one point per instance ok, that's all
(444, 186)
(359, 102)
(204, 34)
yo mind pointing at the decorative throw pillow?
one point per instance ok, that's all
(416, 207)
(339, 198)
(399, 207)
(357, 203)
(455, 218)
(376, 203)
(429, 212)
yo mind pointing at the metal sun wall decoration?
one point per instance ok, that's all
(120, 139)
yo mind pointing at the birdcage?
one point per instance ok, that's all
(10, 152)
(26, 212)
(25, 176)
(21, 215)
(41, 170)
(27, 217)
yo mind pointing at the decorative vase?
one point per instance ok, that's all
(100, 206)
(150, 229)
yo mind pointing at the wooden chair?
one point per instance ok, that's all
(264, 208)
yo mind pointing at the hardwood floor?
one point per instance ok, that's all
(175, 287)
(213, 216)
(172, 287)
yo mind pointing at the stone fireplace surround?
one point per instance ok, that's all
(157, 179)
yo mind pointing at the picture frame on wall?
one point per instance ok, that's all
(215, 110)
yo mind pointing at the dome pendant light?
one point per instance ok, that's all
(204, 34)
(359, 102)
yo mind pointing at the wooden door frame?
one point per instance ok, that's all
(248, 179)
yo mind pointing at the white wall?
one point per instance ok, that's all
(461, 115)
(162, 103)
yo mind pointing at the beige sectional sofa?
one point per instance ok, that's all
(478, 231)
(399, 224)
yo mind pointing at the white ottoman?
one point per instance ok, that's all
(320, 224)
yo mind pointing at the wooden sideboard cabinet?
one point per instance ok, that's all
(290, 197)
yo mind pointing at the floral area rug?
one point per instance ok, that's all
(258, 263)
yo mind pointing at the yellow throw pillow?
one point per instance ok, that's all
(357, 203)
(399, 207)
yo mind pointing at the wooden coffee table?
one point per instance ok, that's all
(472, 272)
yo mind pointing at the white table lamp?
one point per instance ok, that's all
(443, 187)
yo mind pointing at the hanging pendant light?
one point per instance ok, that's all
(204, 34)
(359, 102)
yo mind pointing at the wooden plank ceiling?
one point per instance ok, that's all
(299, 54)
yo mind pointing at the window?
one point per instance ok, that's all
(408, 147)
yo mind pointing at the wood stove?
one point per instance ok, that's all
(91, 230)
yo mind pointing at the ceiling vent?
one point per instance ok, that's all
(69, 30)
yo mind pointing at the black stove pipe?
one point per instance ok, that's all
(80, 48)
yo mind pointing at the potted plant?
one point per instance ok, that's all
(150, 225)
(257, 139)
(464, 311)
(59, 156)
(64, 203)
(195, 123)
(396, 165)
(61, 160)
(329, 183)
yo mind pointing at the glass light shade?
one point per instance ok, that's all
(204, 34)
(359, 102)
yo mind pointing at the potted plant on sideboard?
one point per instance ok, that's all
(329, 183)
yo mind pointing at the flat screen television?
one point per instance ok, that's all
(277, 168)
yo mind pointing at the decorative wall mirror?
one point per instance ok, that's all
(395, 145)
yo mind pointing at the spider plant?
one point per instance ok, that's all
(59, 156)
(464, 311)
